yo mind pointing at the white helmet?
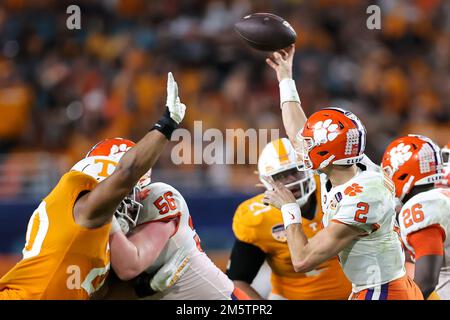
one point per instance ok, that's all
(98, 167)
(279, 161)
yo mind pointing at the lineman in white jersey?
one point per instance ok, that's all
(414, 164)
(202, 279)
(358, 200)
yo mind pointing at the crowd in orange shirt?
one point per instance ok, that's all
(62, 90)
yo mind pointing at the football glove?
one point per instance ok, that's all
(175, 110)
(173, 103)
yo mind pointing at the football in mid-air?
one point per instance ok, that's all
(265, 31)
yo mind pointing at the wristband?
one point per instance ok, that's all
(291, 214)
(288, 91)
(166, 125)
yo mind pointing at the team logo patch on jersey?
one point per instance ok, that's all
(278, 233)
(333, 204)
(353, 190)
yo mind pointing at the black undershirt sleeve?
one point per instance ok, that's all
(245, 261)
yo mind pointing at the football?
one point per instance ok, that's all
(265, 31)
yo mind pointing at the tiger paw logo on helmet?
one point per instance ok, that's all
(412, 160)
(400, 154)
(116, 149)
(325, 131)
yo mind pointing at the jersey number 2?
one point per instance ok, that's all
(360, 214)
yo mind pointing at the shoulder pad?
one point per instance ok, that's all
(160, 201)
(249, 217)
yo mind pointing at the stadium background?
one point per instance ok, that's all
(61, 91)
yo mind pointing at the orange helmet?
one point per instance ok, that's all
(410, 161)
(445, 151)
(332, 136)
(112, 147)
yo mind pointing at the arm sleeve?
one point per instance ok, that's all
(427, 241)
(245, 261)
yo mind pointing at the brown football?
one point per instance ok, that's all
(265, 31)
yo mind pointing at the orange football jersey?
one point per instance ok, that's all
(61, 260)
(262, 226)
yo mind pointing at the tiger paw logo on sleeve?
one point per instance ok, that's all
(353, 190)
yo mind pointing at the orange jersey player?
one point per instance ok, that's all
(261, 236)
(66, 255)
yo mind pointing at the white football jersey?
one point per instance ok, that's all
(162, 202)
(423, 210)
(367, 202)
(202, 280)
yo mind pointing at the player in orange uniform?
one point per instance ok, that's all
(261, 236)
(66, 255)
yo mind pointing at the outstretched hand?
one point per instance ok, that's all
(279, 195)
(281, 61)
(173, 103)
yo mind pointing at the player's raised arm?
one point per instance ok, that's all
(131, 256)
(293, 115)
(96, 208)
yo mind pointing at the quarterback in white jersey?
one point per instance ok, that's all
(358, 199)
(414, 164)
(375, 257)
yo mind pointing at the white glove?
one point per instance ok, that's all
(119, 224)
(176, 108)
(169, 273)
(115, 226)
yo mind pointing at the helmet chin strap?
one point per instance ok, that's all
(326, 162)
(406, 188)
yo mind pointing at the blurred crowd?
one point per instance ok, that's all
(63, 90)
